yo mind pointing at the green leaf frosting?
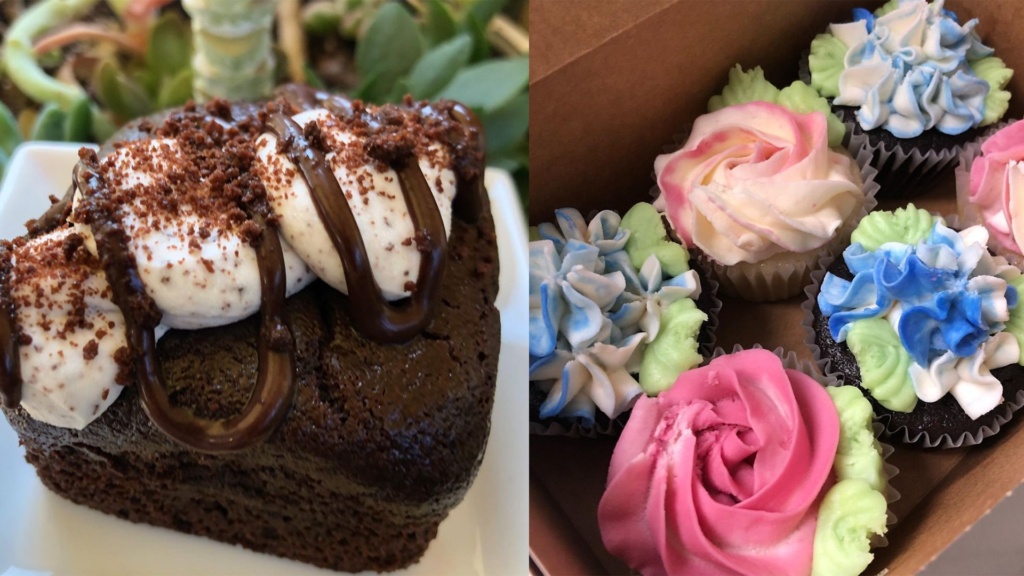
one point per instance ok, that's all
(907, 225)
(751, 86)
(1015, 325)
(647, 235)
(744, 87)
(826, 64)
(995, 72)
(850, 513)
(859, 455)
(674, 351)
(886, 8)
(802, 99)
(883, 362)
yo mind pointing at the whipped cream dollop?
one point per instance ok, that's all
(374, 196)
(197, 268)
(757, 179)
(72, 335)
(908, 71)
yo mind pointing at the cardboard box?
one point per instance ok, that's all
(612, 81)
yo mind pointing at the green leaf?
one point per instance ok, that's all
(103, 128)
(507, 125)
(489, 85)
(321, 18)
(389, 49)
(170, 45)
(438, 66)
(176, 91)
(10, 134)
(481, 45)
(484, 10)
(3, 164)
(119, 94)
(78, 124)
(369, 90)
(312, 78)
(439, 25)
(49, 124)
(148, 78)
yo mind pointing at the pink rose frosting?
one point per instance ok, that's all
(721, 473)
(997, 185)
(757, 179)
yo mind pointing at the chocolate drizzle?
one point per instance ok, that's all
(274, 392)
(374, 316)
(10, 362)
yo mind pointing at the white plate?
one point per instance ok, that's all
(485, 534)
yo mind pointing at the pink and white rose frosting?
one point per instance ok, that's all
(997, 186)
(721, 474)
(755, 180)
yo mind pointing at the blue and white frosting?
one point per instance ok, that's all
(946, 297)
(591, 313)
(908, 71)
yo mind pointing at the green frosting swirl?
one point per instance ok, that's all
(647, 235)
(1015, 325)
(751, 86)
(883, 362)
(826, 64)
(859, 455)
(850, 513)
(995, 72)
(886, 8)
(803, 99)
(907, 225)
(744, 87)
(674, 351)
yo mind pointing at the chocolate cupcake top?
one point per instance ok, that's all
(609, 300)
(910, 67)
(929, 311)
(180, 230)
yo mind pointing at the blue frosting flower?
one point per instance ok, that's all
(908, 71)
(570, 291)
(648, 294)
(944, 294)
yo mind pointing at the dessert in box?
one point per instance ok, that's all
(587, 80)
(171, 357)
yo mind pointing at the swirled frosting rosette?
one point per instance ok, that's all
(926, 320)
(990, 188)
(602, 294)
(757, 188)
(746, 466)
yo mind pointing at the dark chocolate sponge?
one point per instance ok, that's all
(382, 442)
(931, 418)
(704, 344)
(907, 181)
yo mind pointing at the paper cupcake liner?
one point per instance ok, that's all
(790, 361)
(967, 212)
(902, 434)
(613, 427)
(783, 275)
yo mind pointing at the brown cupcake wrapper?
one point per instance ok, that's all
(783, 275)
(612, 428)
(1000, 416)
(966, 211)
(790, 361)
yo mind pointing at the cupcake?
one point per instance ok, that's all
(617, 310)
(762, 189)
(990, 189)
(926, 321)
(747, 466)
(912, 84)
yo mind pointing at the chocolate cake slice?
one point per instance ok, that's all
(379, 442)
